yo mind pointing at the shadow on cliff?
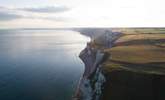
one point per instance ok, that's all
(128, 85)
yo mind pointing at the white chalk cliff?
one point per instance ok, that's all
(91, 83)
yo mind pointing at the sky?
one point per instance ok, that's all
(81, 13)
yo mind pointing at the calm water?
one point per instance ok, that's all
(39, 64)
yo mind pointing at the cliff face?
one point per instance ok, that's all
(91, 84)
(123, 67)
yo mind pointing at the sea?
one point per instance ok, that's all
(40, 64)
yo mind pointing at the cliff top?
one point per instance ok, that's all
(138, 50)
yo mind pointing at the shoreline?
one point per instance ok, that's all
(91, 83)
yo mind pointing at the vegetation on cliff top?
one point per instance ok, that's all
(138, 50)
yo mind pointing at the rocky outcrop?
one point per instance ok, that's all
(91, 84)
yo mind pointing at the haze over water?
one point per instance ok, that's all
(40, 64)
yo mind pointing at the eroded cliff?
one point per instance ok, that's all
(123, 67)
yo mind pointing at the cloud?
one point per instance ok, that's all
(45, 13)
(4, 16)
(48, 9)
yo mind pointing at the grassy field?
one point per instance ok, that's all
(139, 50)
(139, 30)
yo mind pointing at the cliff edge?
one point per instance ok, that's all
(136, 68)
(125, 65)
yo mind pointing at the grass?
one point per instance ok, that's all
(140, 30)
(138, 52)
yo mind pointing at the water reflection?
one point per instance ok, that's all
(39, 64)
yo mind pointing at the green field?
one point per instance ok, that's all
(138, 50)
(139, 30)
